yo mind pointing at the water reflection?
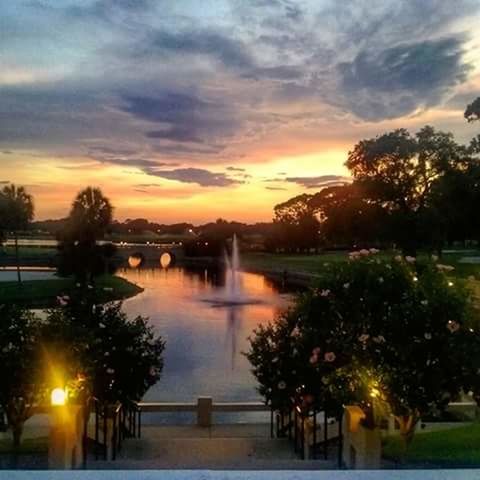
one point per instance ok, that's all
(204, 342)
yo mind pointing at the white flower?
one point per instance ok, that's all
(398, 258)
(424, 302)
(325, 293)
(379, 339)
(380, 280)
(346, 285)
(410, 259)
(110, 371)
(364, 252)
(282, 385)
(90, 287)
(428, 336)
(374, 250)
(434, 258)
(101, 325)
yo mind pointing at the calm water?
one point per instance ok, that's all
(204, 343)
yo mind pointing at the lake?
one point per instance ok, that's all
(204, 341)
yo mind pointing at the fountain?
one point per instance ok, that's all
(232, 294)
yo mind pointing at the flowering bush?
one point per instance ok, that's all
(119, 358)
(21, 387)
(372, 329)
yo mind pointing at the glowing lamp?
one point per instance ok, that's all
(374, 392)
(58, 397)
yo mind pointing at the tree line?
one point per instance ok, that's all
(408, 190)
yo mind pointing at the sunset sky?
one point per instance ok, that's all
(190, 110)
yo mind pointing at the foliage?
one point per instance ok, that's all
(80, 255)
(386, 332)
(16, 212)
(21, 386)
(121, 358)
(296, 225)
(472, 112)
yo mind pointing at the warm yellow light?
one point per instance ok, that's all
(374, 392)
(165, 260)
(58, 397)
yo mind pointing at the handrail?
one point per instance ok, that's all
(165, 407)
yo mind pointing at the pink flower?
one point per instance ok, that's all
(364, 252)
(364, 337)
(314, 359)
(453, 326)
(61, 301)
(316, 351)
(374, 250)
(446, 268)
(329, 357)
(295, 332)
(379, 339)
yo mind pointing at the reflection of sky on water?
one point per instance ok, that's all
(204, 348)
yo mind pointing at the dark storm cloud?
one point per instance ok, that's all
(169, 107)
(141, 163)
(280, 72)
(177, 134)
(318, 182)
(200, 176)
(107, 9)
(185, 119)
(397, 80)
(228, 50)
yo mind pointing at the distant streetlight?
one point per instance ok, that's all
(58, 397)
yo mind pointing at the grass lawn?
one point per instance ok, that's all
(43, 293)
(27, 446)
(29, 251)
(454, 447)
(315, 263)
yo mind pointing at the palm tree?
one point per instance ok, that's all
(89, 219)
(91, 215)
(16, 212)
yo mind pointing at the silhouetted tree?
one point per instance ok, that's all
(21, 388)
(472, 112)
(297, 225)
(88, 222)
(16, 212)
(398, 171)
(347, 219)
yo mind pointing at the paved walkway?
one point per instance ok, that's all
(224, 446)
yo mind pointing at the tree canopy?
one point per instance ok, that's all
(395, 331)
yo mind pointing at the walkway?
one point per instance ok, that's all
(242, 447)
